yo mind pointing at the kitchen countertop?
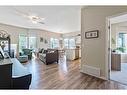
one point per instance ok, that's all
(18, 69)
(5, 61)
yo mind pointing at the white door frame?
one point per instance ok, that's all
(108, 45)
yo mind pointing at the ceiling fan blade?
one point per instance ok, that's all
(41, 22)
(79, 35)
(21, 13)
(34, 19)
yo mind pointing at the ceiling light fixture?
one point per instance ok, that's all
(35, 19)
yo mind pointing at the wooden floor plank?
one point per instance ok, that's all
(65, 75)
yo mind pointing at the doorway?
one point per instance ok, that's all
(118, 48)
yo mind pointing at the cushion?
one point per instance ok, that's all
(44, 55)
(51, 51)
(23, 58)
(40, 51)
(26, 51)
(45, 51)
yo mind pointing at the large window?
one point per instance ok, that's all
(66, 43)
(54, 43)
(72, 43)
(22, 42)
(69, 43)
(122, 42)
(32, 43)
(27, 42)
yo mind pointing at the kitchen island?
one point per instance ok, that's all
(73, 54)
(14, 75)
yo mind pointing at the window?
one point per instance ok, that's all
(32, 43)
(72, 43)
(54, 43)
(22, 42)
(66, 43)
(122, 42)
(69, 43)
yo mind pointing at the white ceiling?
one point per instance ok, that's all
(119, 19)
(61, 19)
(122, 24)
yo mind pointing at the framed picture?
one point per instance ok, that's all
(46, 41)
(92, 34)
(41, 39)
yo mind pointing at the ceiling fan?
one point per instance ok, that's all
(33, 18)
(76, 35)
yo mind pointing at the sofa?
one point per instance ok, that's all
(49, 56)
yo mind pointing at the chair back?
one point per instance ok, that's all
(26, 51)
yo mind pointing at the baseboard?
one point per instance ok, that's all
(100, 77)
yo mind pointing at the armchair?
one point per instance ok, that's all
(27, 52)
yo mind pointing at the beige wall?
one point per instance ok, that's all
(94, 50)
(16, 31)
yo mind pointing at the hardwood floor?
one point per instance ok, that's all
(65, 75)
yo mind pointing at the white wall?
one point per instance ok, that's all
(94, 50)
(46, 35)
(14, 34)
(73, 35)
(16, 31)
